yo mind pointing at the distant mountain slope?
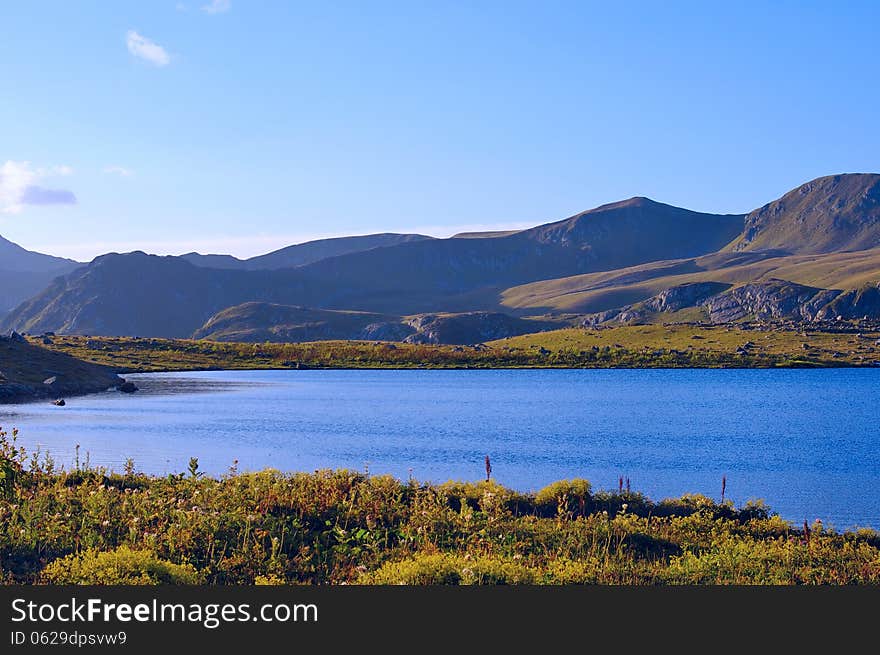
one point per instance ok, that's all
(484, 235)
(830, 214)
(15, 258)
(608, 258)
(214, 261)
(313, 251)
(427, 274)
(145, 295)
(597, 292)
(260, 321)
(24, 273)
(304, 253)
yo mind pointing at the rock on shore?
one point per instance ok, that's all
(29, 372)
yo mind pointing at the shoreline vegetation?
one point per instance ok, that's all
(89, 525)
(639, 346)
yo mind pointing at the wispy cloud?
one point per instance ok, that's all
(217, 6)
(19, 186)
(121, 171)
(144, 48)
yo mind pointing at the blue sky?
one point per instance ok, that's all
(242, 126)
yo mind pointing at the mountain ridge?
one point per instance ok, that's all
(24, 273)
(609, 257)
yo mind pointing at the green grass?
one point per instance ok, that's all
(649, 346)
(92, 526)
(595, 292)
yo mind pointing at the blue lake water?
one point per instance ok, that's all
(805, 441)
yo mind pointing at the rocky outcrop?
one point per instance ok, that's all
(470, 328)
(853, 304)
(388, 331)
(683, 296)
(673, 299)
(31, 372)
(768, 300)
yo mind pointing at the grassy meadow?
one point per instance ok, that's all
(644, 346)
(92, 526)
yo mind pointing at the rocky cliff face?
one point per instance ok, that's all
(854, 304)
(673, 299)
(470, 328)
(684, 295)
(767, 300)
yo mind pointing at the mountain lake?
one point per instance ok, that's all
(804, 441)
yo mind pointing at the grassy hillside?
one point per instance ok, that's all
(623, 346)
(461, 274)
(140, 294)
(597, 292)
(92, 526)
(830, 214)
(824, 348)
(257, 321)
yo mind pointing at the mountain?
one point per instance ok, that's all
(824, 234)
(484, 235)
(830, 214)
(304, 253)
(214, 261)
(808, 254)
(138, 294)
(24, 273)
(260, 321)
(467, 274)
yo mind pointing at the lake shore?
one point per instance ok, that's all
(91, 526)
(802, 438)
(30, 372)
(649, 346)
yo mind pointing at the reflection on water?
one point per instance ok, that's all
(804, 440)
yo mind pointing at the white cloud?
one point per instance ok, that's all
(144, 48)
(217, 6)
(19, 188)
(121, 171)
(181, 7)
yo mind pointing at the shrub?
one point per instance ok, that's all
(565, 497)
(122, 566)
(450, 569)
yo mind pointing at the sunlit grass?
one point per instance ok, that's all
(90, 525)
